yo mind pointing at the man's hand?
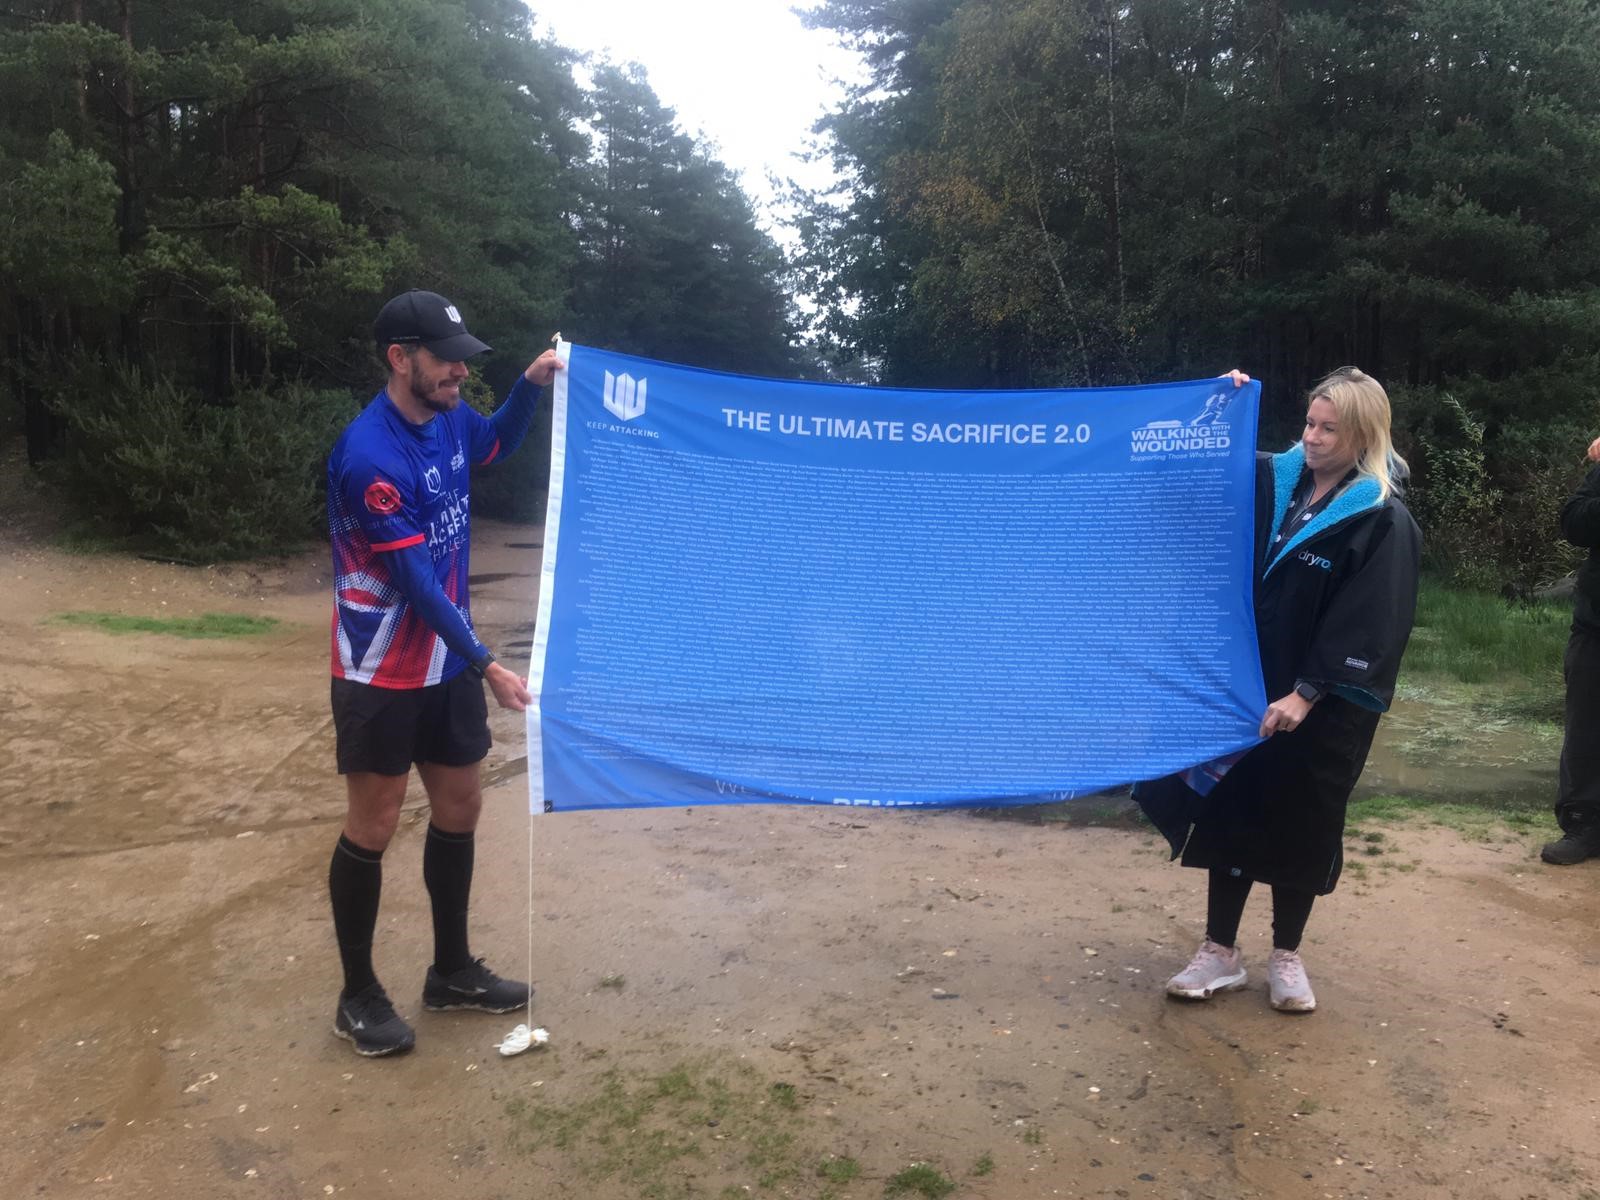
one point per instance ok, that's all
(510, 690)
(1594, 451)
(543, 369)
(1284, 716)
(1240, 379)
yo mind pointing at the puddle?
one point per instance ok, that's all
(495, 577)
(1446, 746)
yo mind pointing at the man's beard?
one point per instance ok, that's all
(430, 398)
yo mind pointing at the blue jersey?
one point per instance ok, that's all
(399, 511)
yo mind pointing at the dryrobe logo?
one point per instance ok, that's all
(624, 396)
(1314, 560)
(1205, 436)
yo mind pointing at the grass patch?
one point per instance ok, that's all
(1480, 730)
(922, 1179)
(87, 540)
(704, 1129)
(614, 982)
(1474, 637)
(207, 625)
(1486, 820)
(984, 1165)
(839, 1169)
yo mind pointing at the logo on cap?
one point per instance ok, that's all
(450, 311)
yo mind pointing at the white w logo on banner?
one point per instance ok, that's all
(624, 397)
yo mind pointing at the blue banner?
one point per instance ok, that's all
(771, 591)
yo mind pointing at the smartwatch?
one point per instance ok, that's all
(480, 665)
(1309, 692)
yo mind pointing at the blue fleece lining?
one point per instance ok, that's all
(1361, 496)
(1360, 697)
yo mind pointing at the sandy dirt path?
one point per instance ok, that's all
(982, 995)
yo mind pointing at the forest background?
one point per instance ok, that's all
(203, 205)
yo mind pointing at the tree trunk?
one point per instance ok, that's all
(1116, 172)
(83, 78)
(128, 233)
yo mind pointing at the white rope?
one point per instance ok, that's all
(530, 912)
(526, 1035)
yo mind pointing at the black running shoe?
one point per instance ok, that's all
(474, 986)
(368, 1021)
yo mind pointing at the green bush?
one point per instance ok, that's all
(1492, 464)
(192, 479)
(1538, 467)
(516, 489)
(1450, 491)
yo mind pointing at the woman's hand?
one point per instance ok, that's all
(1240, 379)
(1284, 716)
(1594, 451)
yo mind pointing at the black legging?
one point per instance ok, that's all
(1225, 897)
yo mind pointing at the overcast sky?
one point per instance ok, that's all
(744, 74)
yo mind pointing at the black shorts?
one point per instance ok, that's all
(385, 730)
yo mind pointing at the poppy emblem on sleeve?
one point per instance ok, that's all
(382, 498)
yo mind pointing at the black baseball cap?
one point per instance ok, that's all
(417, 318)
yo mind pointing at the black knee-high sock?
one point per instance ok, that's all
(447, 870)
(355, 883)
(1225, 897)
(1291, 909)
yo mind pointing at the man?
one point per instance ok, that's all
(408, 669)
(1578, 802)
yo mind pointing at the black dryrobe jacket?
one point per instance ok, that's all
(1334, 606)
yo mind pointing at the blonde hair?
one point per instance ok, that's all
(1362, 407)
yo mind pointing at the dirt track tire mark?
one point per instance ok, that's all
(119, 1000)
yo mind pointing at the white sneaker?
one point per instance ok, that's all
(1213, 969)
(1286, 977)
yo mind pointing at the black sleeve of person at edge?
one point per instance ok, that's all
(1360, 637)
(1580, 525)
(1580, 516)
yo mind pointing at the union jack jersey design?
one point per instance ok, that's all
(398, 504)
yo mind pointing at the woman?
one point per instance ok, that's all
(1336, 592)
